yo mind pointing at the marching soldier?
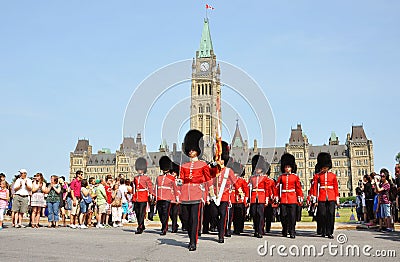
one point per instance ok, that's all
(327, 194)
(259, 193)
(143, 188)
(165, 190)
(193, 177)
(240, 199)
(174, 211)
(268, 210)
(289, 194)
(220, 187)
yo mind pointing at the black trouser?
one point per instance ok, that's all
(184, 217)
(140, 211)
(209, 216)
(288, 219)
(222, 217)
(268, 213)
(173, 214)
(163, 207)
(257, 212)
(151, 212)
(229, 220)
(239, 213)
(193, 211)
(369, 204)
(326, 216)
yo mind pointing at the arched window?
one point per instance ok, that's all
(209, 87)
(200, 109)
(198, 89)
(208, 110)
(202, 89)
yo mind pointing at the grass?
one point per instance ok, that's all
(344, 213)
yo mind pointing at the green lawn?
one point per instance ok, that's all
(344, 213)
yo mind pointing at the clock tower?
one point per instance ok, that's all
(205, 91)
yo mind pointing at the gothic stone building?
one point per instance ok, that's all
(350, 160)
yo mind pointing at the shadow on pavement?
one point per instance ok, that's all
(172, 242)
(393, 236)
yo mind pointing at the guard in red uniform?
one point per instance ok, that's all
(220, 186)
(259, 192)
(239, 200)
(193, 177)
(327, 194)
(268, 210)
(289, 194)
(143, 188)
(165, 190)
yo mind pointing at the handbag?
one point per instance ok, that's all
(117, 202)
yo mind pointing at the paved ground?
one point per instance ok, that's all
(121, 244)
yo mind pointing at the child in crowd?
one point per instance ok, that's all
(4, 197)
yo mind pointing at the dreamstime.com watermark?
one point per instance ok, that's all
(339, 249)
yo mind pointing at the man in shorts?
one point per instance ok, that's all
(101, 203)
(75, 187)
(22, 189)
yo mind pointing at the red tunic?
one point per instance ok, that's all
(165, 187)
(240, 184)
(259, 189)
(142, 188)
(194, 175)
(217, 184)
(328, 187)
(288, 189)
(271, 185)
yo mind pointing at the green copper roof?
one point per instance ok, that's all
(333, 136)
(205, 42)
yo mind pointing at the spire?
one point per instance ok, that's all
(333, 140)
(237, 140)
(205, 42)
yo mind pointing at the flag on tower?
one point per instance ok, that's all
(209, 7)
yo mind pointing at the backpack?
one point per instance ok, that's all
(88, 199)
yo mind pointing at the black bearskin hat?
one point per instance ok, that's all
(317, 169)
(238, 169)
(324, 160)
(225, 152)
(175, 168)
(258, 161)
(165, 163)
(141, 164)
(193, 141)
(288, 160)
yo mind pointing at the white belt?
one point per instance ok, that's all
(288, 190)
(330, 187)
(142, 189)
(257, 189)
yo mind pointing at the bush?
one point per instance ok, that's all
(350, 198)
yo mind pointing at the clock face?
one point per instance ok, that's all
(204, 66)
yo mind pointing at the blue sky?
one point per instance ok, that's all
(68, 68)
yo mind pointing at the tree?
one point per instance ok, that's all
(398, 158)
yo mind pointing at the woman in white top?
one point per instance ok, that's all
(37, 199)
